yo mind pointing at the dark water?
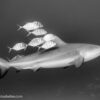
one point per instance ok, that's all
(73, 21)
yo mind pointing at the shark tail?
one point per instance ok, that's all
(4, 67)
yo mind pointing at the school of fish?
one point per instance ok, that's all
(45, 39)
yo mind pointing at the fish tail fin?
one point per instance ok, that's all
(25, 48)
(4, 67)
(29, 33)
(9, 49)
(39, 47)
(20, 27)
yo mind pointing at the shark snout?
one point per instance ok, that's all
(90, 53)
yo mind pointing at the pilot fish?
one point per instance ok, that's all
(48, 45)
(38, 32)
(18, 47)
(36, 41)
(31, 26)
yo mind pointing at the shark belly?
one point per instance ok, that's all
(59, 62)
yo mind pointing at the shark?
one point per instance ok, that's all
(64, 55)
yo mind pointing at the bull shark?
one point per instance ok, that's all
(66, 54)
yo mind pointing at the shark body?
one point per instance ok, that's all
(66, 54)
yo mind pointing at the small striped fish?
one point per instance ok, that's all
(36, 42)
(48, 45)
(31, 26)
(18, 47)
(38, 32)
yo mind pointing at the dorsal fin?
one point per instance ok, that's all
(59, 41)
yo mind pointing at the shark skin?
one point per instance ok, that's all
(66, 54)
(70, 54)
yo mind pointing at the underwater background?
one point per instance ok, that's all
(74, 21)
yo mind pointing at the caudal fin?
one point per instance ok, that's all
(3, 67)
(19, 27)
(29, 33)
(9, 49)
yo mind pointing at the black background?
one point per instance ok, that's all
(73, 21)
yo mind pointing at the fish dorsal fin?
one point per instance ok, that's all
(59, 41)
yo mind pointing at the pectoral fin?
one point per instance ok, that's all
(78, 62)
(36, 68)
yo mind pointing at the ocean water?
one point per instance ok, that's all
(73, 21)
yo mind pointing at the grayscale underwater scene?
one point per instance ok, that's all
(50, 50)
